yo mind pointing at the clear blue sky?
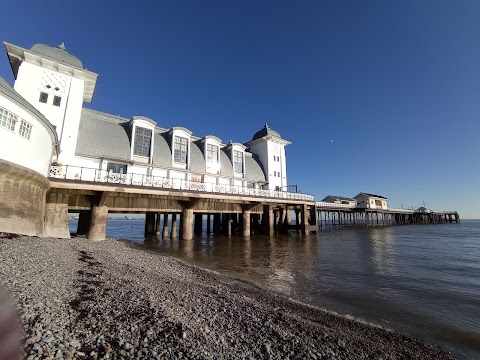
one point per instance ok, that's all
(395, 84)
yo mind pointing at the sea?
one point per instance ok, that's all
(420, 280)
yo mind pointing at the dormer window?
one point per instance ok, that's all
(180, 149)
(212, 157)
(143, 141)
(238, 162)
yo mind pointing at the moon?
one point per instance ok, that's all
(331, 140)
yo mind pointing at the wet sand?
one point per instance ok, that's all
(109, 299)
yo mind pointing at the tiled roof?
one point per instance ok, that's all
(226, 167)
(99, 136)
(371, 195)
(9, 92)
(162, 155)
(334, 197)
(105, 135)
(264, 132)
(253, 170)
(197, 160)
(57, 54)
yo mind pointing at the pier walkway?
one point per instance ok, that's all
(332, 215)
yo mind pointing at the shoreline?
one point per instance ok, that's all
(110, 299)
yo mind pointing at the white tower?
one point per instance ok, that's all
(55, 83)
(270, 148)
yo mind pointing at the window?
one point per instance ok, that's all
(8, 120)
(117, 168)
(180, 150)
(274, 173)
(57, 100)
(25, 129)
(237, 161)
(212, 155)
(43, 97)
(143, 141)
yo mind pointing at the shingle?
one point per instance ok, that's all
(162, 154)
(253, 169)
(226, 167)
(57, 54)
(102, 138)
(197, 160)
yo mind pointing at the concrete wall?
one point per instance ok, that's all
(22, 194)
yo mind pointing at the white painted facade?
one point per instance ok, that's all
(33, 150)
(271, 152)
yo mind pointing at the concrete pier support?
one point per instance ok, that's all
(56, 216)
(165, 226)
(297, 219)
(149, 224)
(216, 223)
(228, 223)
(197, 229)
(98, 223)
(246, 223)
(209, 227)
(157, 226)
(304, 217)
(84, 217)
(173, 232)
(267, 220)
(186, 232)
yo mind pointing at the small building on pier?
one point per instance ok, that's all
(371, 201)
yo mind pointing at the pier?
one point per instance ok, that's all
(334, 216)
(227, 209)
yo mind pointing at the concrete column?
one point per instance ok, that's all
(229, 221)
(98, 223)
(286, 221)
(216, 223)
(83, 221)
(56, 216)
(297, 219)
(246, 223)
(187, 224)
(304, 216)
(209, 227)
(165, 225)
(173, 233)
(157, 226)
(198, 223)
(149, 224)
(267, 220)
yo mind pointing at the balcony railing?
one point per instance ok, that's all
(69, 172)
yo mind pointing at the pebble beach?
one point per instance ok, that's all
(78, 299)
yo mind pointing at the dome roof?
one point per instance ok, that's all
(57, 53)
(264, 132)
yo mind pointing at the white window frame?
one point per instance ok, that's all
(25, 129)
(143, 137)
(8, 120)
(180, 147)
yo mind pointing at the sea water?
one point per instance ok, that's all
(420, 280)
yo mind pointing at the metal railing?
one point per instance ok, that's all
(69, 172)
(334, 205)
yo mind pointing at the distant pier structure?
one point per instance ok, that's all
(365, 210)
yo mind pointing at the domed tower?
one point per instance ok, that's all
(56, 84)
(270, 148)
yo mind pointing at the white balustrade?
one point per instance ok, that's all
(77, 173)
